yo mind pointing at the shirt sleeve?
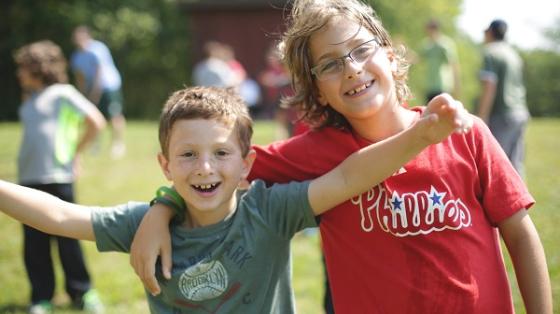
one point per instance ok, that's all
(115, 227)
(488, 71)
(283, 207)
(503, 191)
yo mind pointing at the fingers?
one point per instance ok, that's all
(464, 120)
(146, 272)
(165, 254)
(149, 279)
(449, 109)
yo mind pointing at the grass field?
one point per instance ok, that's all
(106, 182)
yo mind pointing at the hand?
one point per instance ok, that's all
(152, 239)
(446, 115)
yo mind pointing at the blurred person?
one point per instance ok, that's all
(248, 89)
(227, 53)
(52, 114)
(442, 67)
(276, 83)
(502, 104)
(213, 70)
(97, 77)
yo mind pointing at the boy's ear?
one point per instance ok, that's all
(248, 163)
(164, 165)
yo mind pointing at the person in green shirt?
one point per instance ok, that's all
(442, 66)
(502, 103)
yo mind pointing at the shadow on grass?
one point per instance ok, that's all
(13, 308)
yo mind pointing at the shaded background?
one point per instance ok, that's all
(155, 43)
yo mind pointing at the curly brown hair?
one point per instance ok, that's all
(44, 60)
(306, 18)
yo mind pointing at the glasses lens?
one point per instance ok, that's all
(329, 69)
(333, 68)
(363, 52)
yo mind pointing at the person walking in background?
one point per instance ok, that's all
(502, 103)
(442, 66)
(97, 77)
(52, 113)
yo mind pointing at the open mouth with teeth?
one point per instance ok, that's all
(359, 88)
(205, 188)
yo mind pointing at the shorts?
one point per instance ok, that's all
(110, 104)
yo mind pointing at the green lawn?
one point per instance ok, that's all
(106, 182)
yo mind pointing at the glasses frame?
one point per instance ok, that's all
(343, 58)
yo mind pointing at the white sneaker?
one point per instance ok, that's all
(43, 307)
(118, 150)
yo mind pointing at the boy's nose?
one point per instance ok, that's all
(205, 167)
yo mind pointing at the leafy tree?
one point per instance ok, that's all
(148, 39)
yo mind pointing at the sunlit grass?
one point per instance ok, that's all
(135, 177)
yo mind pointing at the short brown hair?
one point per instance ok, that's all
(198, 102)
(308, 17)
(44, 60)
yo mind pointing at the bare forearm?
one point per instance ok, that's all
(45, 212)
(486, 100)
(364, 169)
(528, 258)
(95, 122)
(533, 279)
(371, 165)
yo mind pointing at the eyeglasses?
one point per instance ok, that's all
(331, 69)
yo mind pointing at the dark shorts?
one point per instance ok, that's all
(110, 104)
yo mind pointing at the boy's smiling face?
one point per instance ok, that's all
(362, 89)
(206, 165)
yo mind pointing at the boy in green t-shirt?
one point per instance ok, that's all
(232, 249)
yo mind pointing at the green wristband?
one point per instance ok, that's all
(179, 213)
(171, 198)
(173, 195)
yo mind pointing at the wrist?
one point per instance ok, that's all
(172, 201)
(417, 138)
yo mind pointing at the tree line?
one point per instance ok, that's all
(150, 42)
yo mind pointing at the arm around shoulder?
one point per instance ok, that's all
(528, 258)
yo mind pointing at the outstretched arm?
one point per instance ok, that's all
(373, 164)
(45, 212)
(527, 254)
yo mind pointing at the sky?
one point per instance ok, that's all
(526, 19)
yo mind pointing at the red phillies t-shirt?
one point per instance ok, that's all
(424, 241)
